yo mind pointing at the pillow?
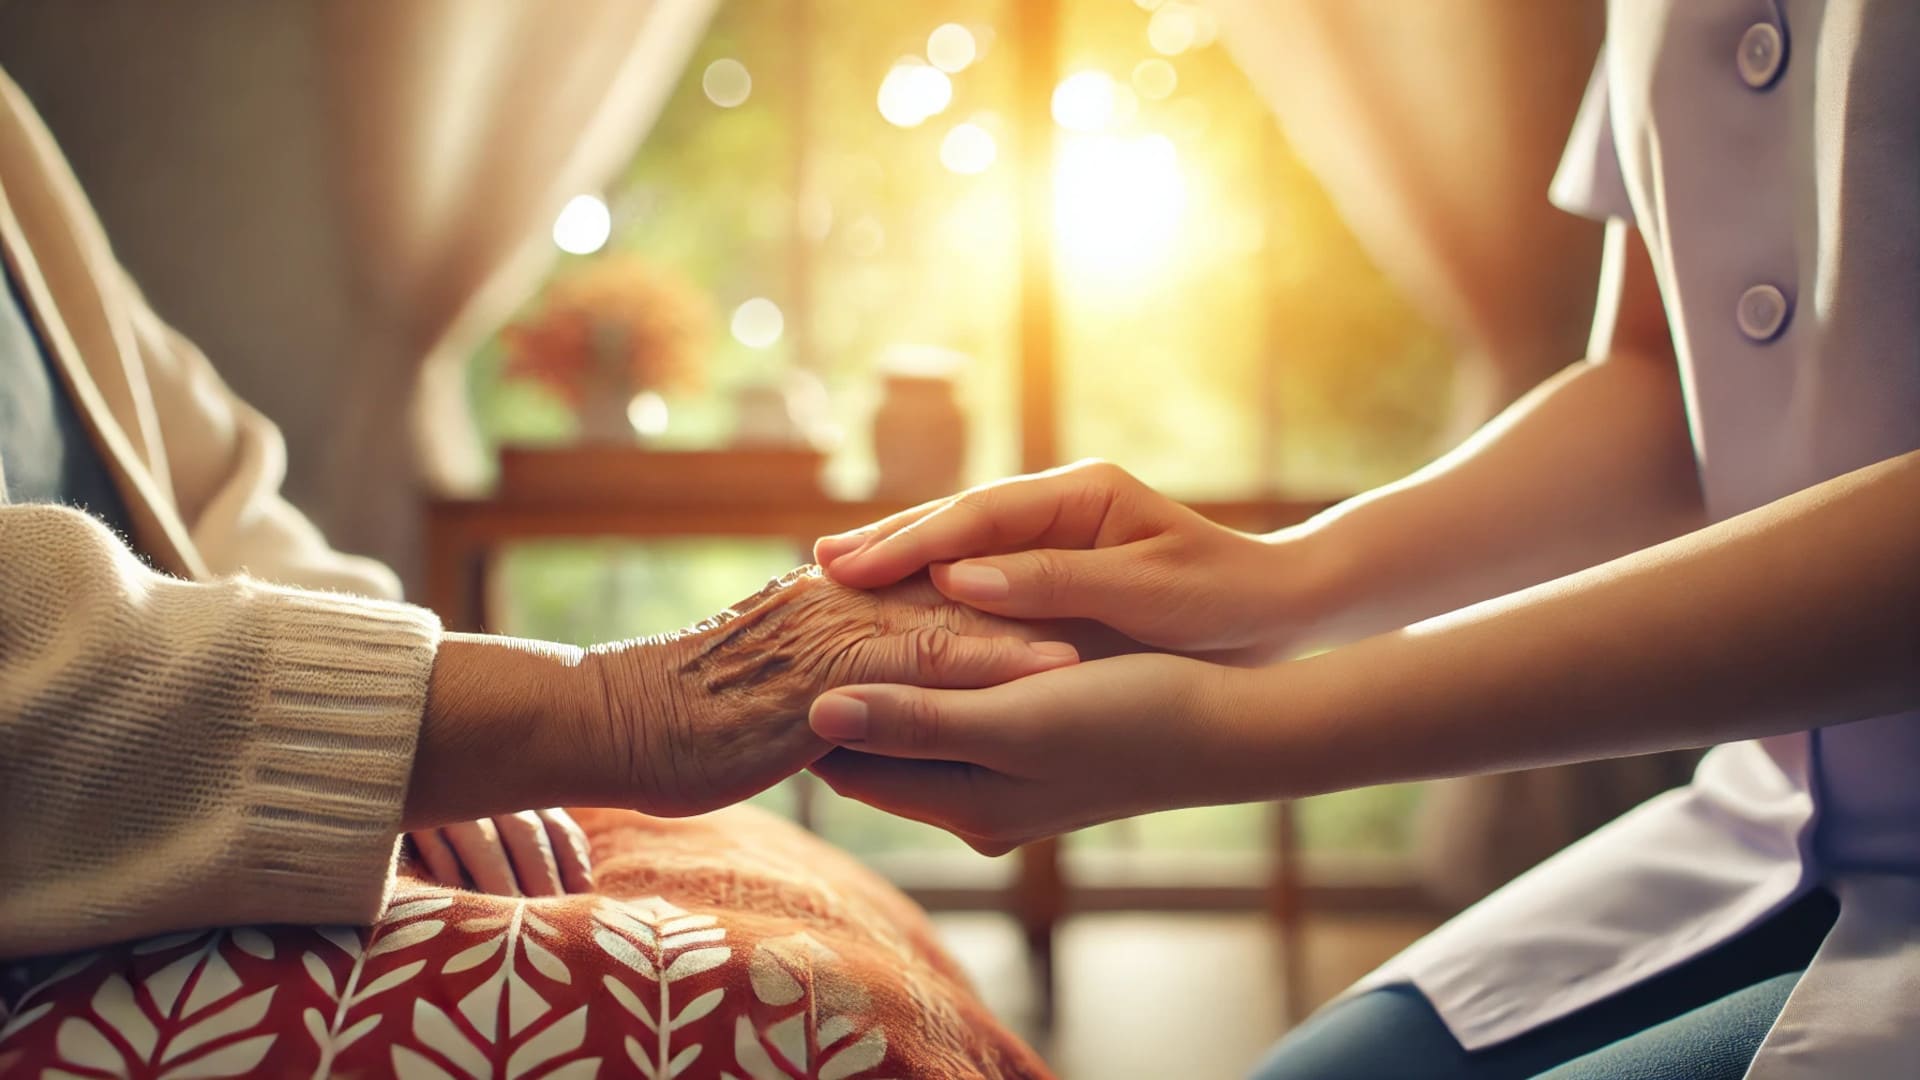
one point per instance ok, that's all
(732, 945)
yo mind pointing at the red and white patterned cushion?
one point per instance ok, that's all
(733, 945)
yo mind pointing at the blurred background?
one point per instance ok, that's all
(589, 315)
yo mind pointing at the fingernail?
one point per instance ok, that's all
(972, 581)
(839, 718)
(1055, 650)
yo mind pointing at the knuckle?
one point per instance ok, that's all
(919, 723)
(1051, 574)
(933, 650)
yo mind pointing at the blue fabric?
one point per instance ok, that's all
(46, 452)
(1703, 1020)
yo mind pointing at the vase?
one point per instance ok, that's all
(919, 438)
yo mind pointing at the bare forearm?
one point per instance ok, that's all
(501, 715)
(1595, 463)
(1800, 614)
(1592, 465)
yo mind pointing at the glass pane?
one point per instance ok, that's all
(1222, 332)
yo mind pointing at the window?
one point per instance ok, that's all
(858, 168)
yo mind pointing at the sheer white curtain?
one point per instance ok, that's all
(1435, 128)
(457, 130)
(335, 199)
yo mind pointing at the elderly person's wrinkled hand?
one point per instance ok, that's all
(738, 687)
(529, 853)
(692, 721)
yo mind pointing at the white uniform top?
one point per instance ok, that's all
(1769, 152)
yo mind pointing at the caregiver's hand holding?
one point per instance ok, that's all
(1045, 754)
(1089, 541)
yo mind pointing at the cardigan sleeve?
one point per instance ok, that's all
(181, 754)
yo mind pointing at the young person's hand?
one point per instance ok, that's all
(531, 853)
(1047, 754)
(1088, 541)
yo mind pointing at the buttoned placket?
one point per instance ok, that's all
(1763, 311)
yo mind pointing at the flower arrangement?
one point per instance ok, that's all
(616, 327)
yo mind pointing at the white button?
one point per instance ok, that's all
(1761, 56)
(1762, 313)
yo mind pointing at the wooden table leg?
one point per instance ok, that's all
(457, 577)
(1284, 905)
(1039, 901)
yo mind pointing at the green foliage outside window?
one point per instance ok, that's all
(1257, 348)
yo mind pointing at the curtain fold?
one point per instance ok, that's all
(1436, 128)
(457, 130)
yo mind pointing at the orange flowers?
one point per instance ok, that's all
(615, 326)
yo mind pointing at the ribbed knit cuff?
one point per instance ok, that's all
(342, 693)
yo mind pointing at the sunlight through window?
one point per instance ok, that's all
(1118, 203)
(1086, 101)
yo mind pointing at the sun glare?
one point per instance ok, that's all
(1086, 101)
(1119, 203)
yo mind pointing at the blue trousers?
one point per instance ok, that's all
(1704, 1020)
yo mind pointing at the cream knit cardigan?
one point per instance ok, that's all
(189, 745)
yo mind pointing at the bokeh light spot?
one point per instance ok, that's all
(583, 226)
(951, 47)
(1155, 79)
(758, 323)
(727, 83)
(647, 412)
(968, 149)
(1173, 30)
(914, 91)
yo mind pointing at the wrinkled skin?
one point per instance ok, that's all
(711, 715)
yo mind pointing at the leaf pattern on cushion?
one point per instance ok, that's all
(495, 1027)
(822, 1008)
(665, 945)
(334, 1034)
(191, 1017)
(739, 948)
